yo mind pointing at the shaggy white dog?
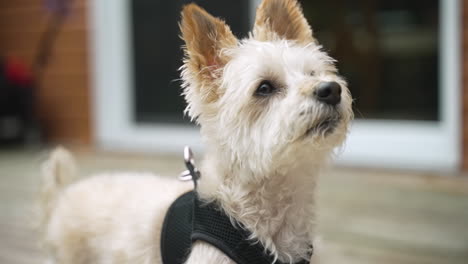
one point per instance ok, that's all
(271, 109)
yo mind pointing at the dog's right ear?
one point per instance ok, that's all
(284, 19)
(205, 38)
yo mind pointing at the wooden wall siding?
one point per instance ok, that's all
(64, 93)
(464, 83)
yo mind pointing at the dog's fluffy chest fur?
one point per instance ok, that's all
(279, 209)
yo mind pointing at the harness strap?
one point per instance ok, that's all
(213, 226)
(189, 220)
(177, 229)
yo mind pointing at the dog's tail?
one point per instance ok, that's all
(57, 172)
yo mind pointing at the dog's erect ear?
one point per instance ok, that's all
(283, 18)
(205, 38)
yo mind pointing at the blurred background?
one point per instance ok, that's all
(101, 77)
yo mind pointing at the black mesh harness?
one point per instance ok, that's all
(189, 219)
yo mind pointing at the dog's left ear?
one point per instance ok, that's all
(284, 19)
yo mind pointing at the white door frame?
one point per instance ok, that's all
(403, 144)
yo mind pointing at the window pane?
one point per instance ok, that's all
(157, 53)
(388, 52)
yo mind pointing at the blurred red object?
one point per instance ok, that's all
(17, 73)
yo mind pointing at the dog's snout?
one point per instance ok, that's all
(328, 92)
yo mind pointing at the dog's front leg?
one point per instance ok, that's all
(203, 253)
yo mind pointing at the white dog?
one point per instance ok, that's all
(271, 109)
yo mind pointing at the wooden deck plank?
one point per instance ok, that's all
(365, 216)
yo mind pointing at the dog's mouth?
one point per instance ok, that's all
(325, 126)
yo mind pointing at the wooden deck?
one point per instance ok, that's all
(366, 216)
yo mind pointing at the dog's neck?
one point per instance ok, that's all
(278, 208)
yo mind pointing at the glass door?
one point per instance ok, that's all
(387, 50)
(401, 59)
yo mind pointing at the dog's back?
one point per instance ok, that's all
(107, 218)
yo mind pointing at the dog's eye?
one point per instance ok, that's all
(265, 88)
(312, 73)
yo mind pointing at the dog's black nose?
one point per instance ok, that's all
(328, 92)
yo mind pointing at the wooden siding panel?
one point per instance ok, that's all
(38, 4)
(465, 86)
(63, 102)
(69, 40)
(64, 85)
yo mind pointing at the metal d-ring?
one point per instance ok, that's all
(192, 173)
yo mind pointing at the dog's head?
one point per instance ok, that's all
(275, 93)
